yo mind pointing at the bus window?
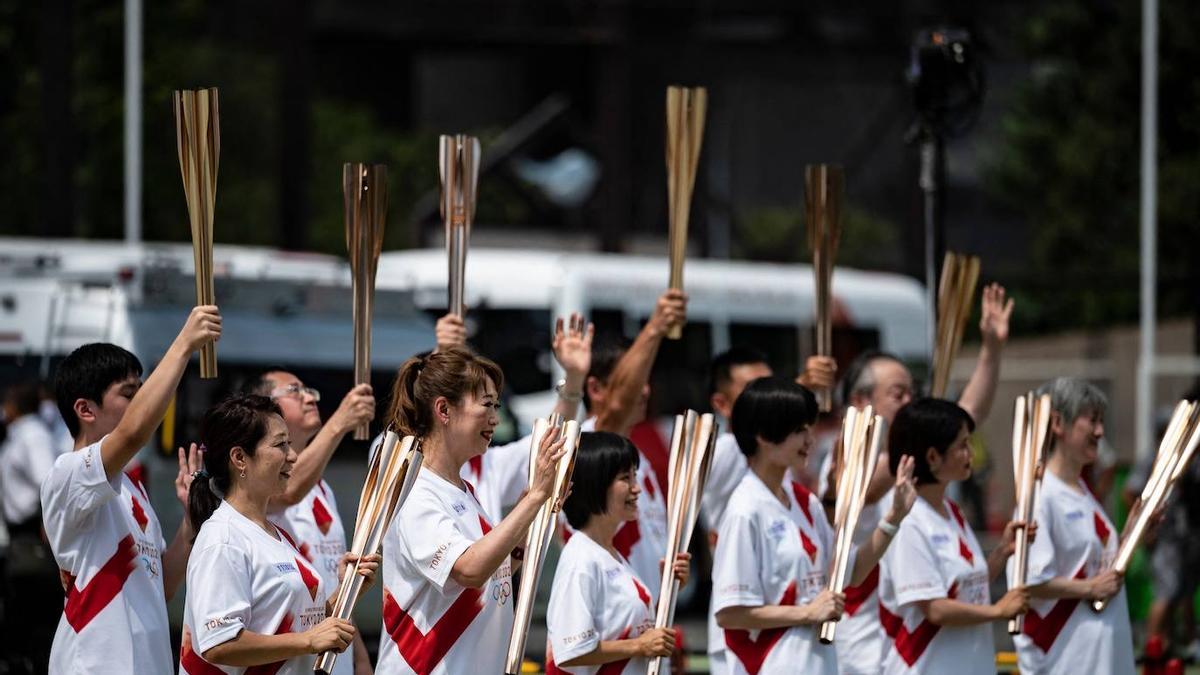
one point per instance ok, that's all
(610, 323)
(518, 340)
(680, 375)
(780, 342)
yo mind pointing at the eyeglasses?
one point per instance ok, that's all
(295, 391)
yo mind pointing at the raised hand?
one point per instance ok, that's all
(190, 461)
(904, 494)
(357, 408)
(670, 310)
(203, 326)
(450, 331)
(573, 345)
(820, 372)
(994, 314)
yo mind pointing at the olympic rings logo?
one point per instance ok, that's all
(501, 592)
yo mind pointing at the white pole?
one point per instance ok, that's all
(1149, 226)
(133, 121)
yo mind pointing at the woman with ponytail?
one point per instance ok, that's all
(252, 598)
(447, 576)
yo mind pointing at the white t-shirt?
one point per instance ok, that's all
(933, 557)
(726, 471)
(316, 526)
(26, 457)
(1075, 539)
(240, 577)
(500, 476)
(643, 542)
(771, 554)
(860, 639)
(431, 624)
(596, 597)
(107, 540)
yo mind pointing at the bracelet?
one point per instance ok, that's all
(569, 397)
(887, 528)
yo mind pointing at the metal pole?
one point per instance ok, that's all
(133, 121)
(929, 181)
(1149, 225)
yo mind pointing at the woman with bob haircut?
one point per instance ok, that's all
(253, 602)
(601, 616)
(775, 544)
(1070, 561)
(447, 575)
(933, 588)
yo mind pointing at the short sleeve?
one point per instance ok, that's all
(913, 567)
(75, 487)
(1042, 566)
(430, 538)
(571, 617)
(736, 578)
(218, 594)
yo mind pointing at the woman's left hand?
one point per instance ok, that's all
(367, 567)
(190, 462)
(904, 493)
(1008, 540)
(682, 567)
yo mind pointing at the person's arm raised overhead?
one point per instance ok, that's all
(573, 350)
(631, 375)
(451, 331)
(149, 405)
(996, 311)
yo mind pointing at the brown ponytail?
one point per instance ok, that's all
(450, 373)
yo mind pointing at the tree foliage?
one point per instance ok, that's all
(1067, 161)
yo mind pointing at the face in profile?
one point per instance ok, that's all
(270, 469)
(473, 420)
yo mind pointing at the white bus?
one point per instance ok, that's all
(513, 296)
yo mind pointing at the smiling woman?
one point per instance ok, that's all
(252, 597)
(448, 577)
(600, 613)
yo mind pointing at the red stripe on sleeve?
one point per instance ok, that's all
(191, 663)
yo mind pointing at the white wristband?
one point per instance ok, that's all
(887, 528)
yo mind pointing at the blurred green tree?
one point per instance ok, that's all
(1067, 161)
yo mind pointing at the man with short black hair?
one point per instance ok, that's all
(116, 568)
